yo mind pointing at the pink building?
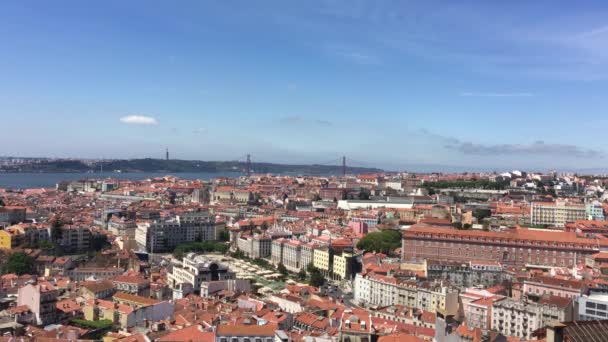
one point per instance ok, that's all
(358, 227)
(479, 312)
(544, 285)
(41, 298)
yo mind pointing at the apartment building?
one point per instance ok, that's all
(433, 296)
(41, 298)
(245, 333)
(257, 246)
(323, 258)
(136, 285)
(10, 238)
(127, 310)
(289, 253)
(556, 213)
(93, 273)
(513, 247)
(121, 226)
(276, 251)
(23, 234)
(478, 313)
(11, 215)
(380, 290)
(343, 266)
(593, 307)
(520, 318)
(539, 286)
(165, 234)
(307, 254)
(466, 274)
(75, 238)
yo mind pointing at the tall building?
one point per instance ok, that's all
(257, 246)
(161, 235)
(556, 213)
(521, 318)
(11, 215)
(75, 238)
(41, 298)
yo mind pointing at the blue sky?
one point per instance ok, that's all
(395, 84)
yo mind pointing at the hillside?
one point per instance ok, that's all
(176, 166)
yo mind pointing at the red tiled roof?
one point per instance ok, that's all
(194, 333)
(400, 338)
(246, 330)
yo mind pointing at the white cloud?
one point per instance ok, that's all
(139, 120)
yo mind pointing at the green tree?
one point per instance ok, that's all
(282, 269)
(364, 194)
(384, 241)
(224, 235)
(316, 278)
(56, 230)
(18, 263)
(198, 247)
(302, 274)
(481, 214)
(99, 242)
(46, 244)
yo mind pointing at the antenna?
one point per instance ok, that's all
(167, 154)
(343, 166)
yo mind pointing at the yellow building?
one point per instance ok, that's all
(5, 240)
(321, 260)
(10, 238)
(342, 266)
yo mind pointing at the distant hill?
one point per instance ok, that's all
(176, 166)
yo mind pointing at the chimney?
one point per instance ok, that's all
(555, 332)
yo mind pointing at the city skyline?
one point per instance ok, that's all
(472, 85)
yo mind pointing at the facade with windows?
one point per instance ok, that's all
(514, 247)
(245, 333)
(593, 307)
(521, 318)
(166, 234)
(556, 213)
(195, 270)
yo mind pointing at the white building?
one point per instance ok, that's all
(195, 270)
(258, 246)
(556, 213)
(593, 307)
(375, 289)
(369, 204)
(520, 318)
(245, 333)
(289, 253)
(165, 234)
(209, 288)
